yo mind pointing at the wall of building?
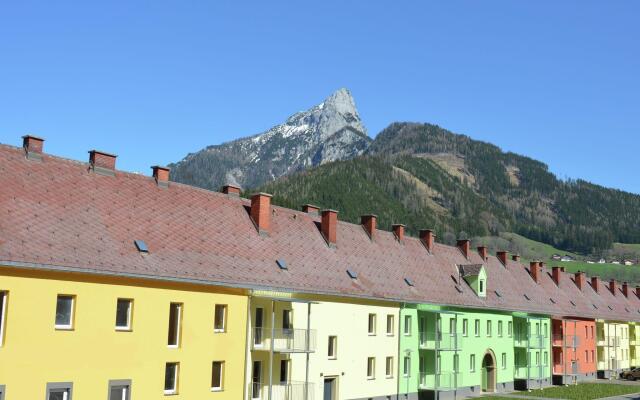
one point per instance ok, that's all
(93, 352)
(612, 344)
(634, 345)
(532, 351)
(570, 361)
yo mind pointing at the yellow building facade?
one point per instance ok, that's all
(92, 358)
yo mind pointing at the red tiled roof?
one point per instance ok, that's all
(57, 214)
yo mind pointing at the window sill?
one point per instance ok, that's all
(370, 378)
(124, 329)
(63, 328)
(372, 334)
(389, 377)
(173, 346)
(219, 330)
(170, 393)
(332, 358)
(217, 389)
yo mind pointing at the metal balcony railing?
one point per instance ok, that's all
(530, 372)
(441, 381)
(282, 391)
(440, 341)
(285, 340)
(560, 340)
(607, 365)
(533, 341)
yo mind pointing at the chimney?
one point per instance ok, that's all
(102, 163)
(562, 269)
(465, 246)
(581, 279)
(311, 209)
(502, 256)
(516, 257)
(161, 175)
(427, 237)
(556, 273)
(328, 226)
(261, 212)
(33, 147)
(535, 270)
(613, 286)
(625, 289)
(595, 283)
(638, 291)
(231, 190)
(483, 251)
(398, 230)
(369, 224)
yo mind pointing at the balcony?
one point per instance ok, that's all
(533, 372)
(609, 341)
(532, 342)
(607, 365)
(284, 340)
(440, 341)
(570, 341)
(441, 381)
(281, 391)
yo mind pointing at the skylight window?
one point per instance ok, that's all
(610, 308)
(552, 300)
(527, 297)
(141, 246)
(498, 293)
(282, 264)
(626, 309)
(408, 281)
(572, 303)
(594, 306)
(352, 274)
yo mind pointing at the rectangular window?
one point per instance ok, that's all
(175, 315)
(465, 327)
(220, 318)
(586, 332)
(1, 392)
(537, 358)
(371, 368)
(333, 347)
(59, 391)
(64, 311)
(481, 286)
(171, 378)
(472, 363)
(287, 320)
(592, 331)
(372, 324)
(510, 328)
(593, 355)
(452, 326)
(406, 366)
(489, 328)
(389, 367)
(390, 324)
(545, 333)
(500, 328)
(537, 328)
(546, 358)
(438, 364)
(586, 355)
(123, 314)
(407, 325)
(456, 363)
(284, 370)
(477, 327)
(217, 375)
(3, 313)
(119, 390)
(504, 360)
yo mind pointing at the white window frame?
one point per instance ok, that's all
(407, 325)
(125, 384)
(504, 360)
(472, 363)
(476, 327)
(500, 328)
(3, 316)
(372, 327)
(334, 339)
(389, 367)
(225, 309)
(178, 327)
(71, 317)
(465, 327)
(221, 387)
(406, 366)
(510, 328)
(175, 379)
(489, 328)
(371, 368)
(390, 324)
(129, 315)
(57, 386)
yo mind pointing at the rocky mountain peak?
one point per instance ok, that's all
(330, 131)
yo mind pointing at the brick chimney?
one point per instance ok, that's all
(427, 237)
(261, 212)
(556, 274)
(231, 190)
(328, 226)
(465, 246)
(638, 291)
(613, 286)
(595, 283)
(535, 270)
(102, 163)
(502, 256)
(398, 230)
(369, 224)
(33, 146)
(161, 175)
(311, 209)
(516, 257)
(483, 251)
(625, 289)
(581, 279)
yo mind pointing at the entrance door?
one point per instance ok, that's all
(329, 389)
(256, 380)
(488, 373)
(259, 321)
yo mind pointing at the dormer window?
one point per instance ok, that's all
(476, 277)
(481, 288)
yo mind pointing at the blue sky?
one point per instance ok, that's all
(151, 81)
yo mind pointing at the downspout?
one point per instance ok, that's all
(247, 348)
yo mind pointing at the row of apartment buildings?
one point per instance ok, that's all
(132, 287)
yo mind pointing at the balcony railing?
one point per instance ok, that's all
(609, 341)
(440, 341)
(560, 340)
(282, 391)
(607, 365)
(532, 372)
(533, 342)
(285, 340)
(441, 381)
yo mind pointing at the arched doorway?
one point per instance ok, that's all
(488, 372)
